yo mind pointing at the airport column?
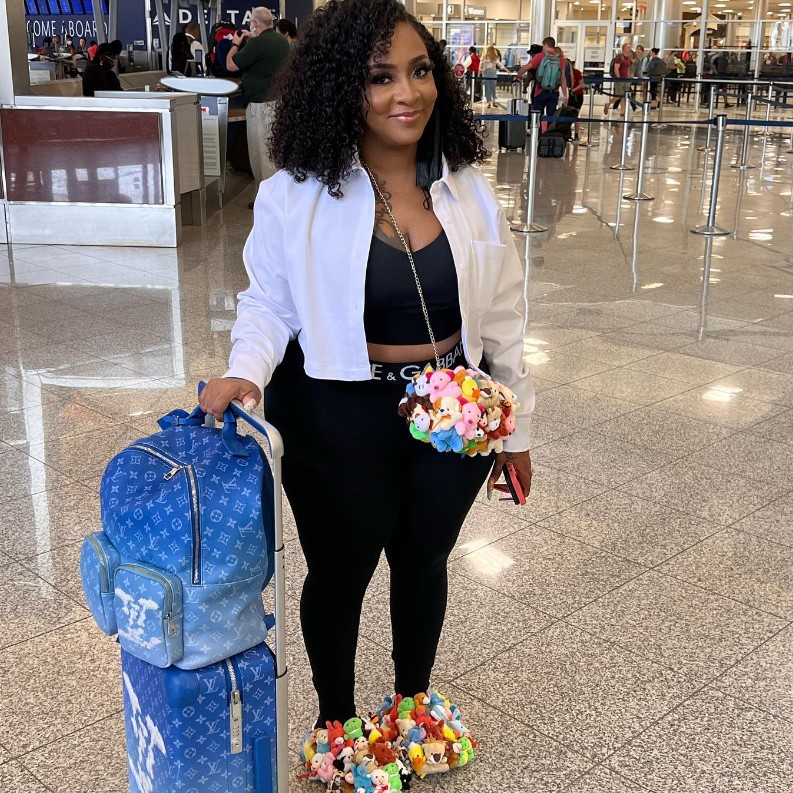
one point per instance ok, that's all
(14, 74)
(542, 18)
(669, 27)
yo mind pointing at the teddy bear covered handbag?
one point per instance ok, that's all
(457, 410)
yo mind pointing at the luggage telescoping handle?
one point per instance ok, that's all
(276, 446)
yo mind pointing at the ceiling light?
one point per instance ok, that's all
(652, 286)
(784, 297)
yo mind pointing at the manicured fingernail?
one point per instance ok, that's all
(249, 404)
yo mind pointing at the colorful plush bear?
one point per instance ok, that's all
(394, 778)
(383, 753)
(361, 781)
(443, 385)
(468, 423)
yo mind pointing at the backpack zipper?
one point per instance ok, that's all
(192, 487)
(235, 710)
(172, 629)
(102, 561)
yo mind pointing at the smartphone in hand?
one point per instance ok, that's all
(511, 485)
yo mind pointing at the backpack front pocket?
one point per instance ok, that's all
(98, 562)
(148, 607)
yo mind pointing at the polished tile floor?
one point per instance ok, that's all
(630, 629)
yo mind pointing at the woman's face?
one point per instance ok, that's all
(400, 91)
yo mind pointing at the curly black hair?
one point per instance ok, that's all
(319, 118)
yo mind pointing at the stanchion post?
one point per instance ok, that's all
(529, 226)
(640, 195)
(768, 110)
(592, 111)
(661, 102)
(743, 161)
(624, 152)
(711, 111)
(710, 229)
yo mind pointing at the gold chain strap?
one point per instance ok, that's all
(410, 259)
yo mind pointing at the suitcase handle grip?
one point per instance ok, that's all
(235, 411)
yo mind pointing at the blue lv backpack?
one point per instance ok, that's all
(549, 73)
(187, 545)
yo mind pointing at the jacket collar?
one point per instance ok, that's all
(448, 177)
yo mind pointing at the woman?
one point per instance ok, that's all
(333, 325)
(489, 67)
(99, 74)
(180, 55)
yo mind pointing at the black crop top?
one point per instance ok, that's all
(392, 311)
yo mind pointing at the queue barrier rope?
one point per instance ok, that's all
(773, 102)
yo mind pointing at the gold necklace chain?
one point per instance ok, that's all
(410, 259)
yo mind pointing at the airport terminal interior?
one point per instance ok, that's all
(628, 630)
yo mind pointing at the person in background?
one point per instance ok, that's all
(472, 62)
(193, 34)
(82, 46)
(677, 68)
(549, 79)
(99, 74)
(621, 68)
(92, 48)
(656, 69)
(638, 72)
(179, 55)
(489, 67)
(576, 95)
(288, 30)
(259, 62)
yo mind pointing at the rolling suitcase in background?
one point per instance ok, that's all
(512, 134)
(551, 144)
(564, 126)
(221, 728)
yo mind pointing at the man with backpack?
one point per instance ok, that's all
(621, 70)
(549, 78)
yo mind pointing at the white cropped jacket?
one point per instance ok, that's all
(306, 259)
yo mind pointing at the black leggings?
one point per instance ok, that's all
(358, 484)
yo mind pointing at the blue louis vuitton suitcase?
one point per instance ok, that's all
(207, 730)
(221, 728)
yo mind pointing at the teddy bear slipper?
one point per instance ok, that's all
(422, 734)
(429, 729)
(354, 757)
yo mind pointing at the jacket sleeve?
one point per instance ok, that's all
(266, 315)
(502, 331)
